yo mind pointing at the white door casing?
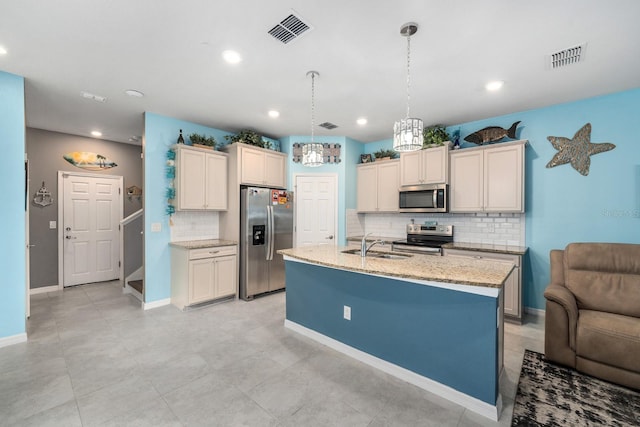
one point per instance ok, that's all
(316, 209)
(27, 238)
(88, 216)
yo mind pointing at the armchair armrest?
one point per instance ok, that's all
(561, 295)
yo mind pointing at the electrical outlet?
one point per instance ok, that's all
(347, 312)
(156, 227)
(52, 225)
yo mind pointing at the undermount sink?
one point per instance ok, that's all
(374, 254)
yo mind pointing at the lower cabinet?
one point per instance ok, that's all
(202, 275)
(513, 285)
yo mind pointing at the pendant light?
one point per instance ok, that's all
(312, 153)
(407, 133)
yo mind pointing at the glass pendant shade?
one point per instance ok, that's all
(407, 134)
(312, 154)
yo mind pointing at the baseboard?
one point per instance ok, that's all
(156, 304)
(43, 290)
(482, 408)
(13, 339)
(538, 312)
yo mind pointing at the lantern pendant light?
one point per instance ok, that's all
(313, 152)
(407, 132)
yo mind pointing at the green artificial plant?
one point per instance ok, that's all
(435, 135)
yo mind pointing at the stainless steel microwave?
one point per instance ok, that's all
(424, 198)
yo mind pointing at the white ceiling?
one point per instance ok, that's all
(171, 51)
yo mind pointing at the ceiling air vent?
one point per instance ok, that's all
(566, 57)
(328, 125)
(289, 29)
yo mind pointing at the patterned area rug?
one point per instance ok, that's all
(552, 395)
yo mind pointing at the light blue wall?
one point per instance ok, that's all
(345, 170)
(160, 133)
(12, 188)
(563, 206)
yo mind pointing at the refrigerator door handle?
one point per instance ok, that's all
(270, 233)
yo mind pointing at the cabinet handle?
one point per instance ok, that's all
(213, 252)
(477, 257)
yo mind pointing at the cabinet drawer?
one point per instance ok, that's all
(212, 252)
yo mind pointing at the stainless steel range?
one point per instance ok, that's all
(424, 239)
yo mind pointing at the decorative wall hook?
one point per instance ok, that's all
(43, 197)
(134, 191)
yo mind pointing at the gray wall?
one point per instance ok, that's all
(44, 151)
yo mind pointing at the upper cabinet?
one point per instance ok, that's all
(201, 179)
(430, 166)
(258, 166)
(488, 179)
(378, 186)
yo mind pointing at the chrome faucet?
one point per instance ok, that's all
(363, 245)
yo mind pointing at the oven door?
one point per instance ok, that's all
(415, 249)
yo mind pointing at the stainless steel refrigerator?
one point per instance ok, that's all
(266, 225)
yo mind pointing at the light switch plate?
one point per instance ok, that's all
(52, 225)
(156, 227)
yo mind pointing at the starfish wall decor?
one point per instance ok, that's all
(578, 150)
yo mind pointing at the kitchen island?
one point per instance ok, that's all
(431, 321)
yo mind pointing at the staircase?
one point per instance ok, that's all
(131, 268)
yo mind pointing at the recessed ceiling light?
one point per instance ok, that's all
(274, 114)
(134, 93)
(494, 85)
(231, 56)
(3, 51)
(361, 121)
(96, 133)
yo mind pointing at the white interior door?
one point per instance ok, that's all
(92, 210)
(316, 209)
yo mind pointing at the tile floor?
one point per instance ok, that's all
(95, 358)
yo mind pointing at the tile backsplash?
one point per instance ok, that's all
(488, 228)
(194, 226)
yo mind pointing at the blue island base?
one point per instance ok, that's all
(442, 340)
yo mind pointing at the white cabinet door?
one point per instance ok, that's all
(216, 188)
(435, 165)
(411, 168)
(274, 170)
(387, 188)
(467, 182)
(225, 276)
(190, 179)
(201, 281)
(367, 188)
(503, 179)
(252, 167)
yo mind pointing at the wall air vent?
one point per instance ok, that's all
(566, 57)
(328, 125)
(290, 28)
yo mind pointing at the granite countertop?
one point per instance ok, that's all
(482, 247)
(199, 244)
(451, 270)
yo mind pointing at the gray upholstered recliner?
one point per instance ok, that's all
(592, 320)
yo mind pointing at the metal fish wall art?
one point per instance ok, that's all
(492, 134)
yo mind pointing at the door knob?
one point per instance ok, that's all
(68, 228)
(330, 237)
(69, 237)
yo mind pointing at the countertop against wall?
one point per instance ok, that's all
(199, 244)
(482, 247)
